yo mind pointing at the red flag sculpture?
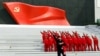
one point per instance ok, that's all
(36, 15)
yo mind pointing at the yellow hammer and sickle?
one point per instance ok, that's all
(16, 9)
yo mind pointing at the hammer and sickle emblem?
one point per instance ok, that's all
(16, 9)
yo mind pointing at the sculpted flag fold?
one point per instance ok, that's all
(36, 15)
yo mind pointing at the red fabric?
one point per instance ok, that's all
(64, 48)
(89, 43)
(95, 40)
(75, 43)
(46, 44)
(65, 40)
(51, 40)
(36, 15)
(84, 44)
(44, 35)
(96, 45)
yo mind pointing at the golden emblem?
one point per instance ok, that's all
(16, 9)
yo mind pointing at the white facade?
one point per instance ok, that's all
(25, 40)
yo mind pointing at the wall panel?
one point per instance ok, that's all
(79, 12)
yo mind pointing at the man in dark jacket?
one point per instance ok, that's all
(60, 45)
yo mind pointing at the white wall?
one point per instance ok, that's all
(33, 32)
(97, 10)
(29, 32)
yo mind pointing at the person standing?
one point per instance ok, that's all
(96, 43)
(59, 44)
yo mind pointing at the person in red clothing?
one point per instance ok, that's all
(79, 43)
(65, 40)
(46, 44)
(55, 47)
(84, 44)
(44, 35)
(54, 35)
(89, 42)
(51, 43)
(70, 40)
(75, 42)
(49, 40)
(75, 33)
(95, 41)
(67, 33)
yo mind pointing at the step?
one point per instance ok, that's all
(21, 44)
(18, 41)
(22, 48)
(85, 53)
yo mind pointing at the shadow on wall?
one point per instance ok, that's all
(5, 18)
